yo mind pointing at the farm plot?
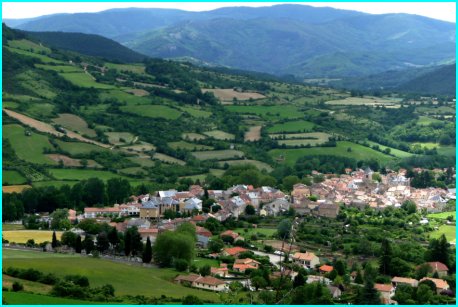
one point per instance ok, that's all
(168, 159)
(138, 92)
(140, 147)
(40, 110)
(426, 121)
(24, 298)
(260, 165)
(301, 139)
(368, 101)
(268, 112)
(12, 177)
(220, 135)
(218, 154)
(84, 80)
(152, 111)
(144, 161)
(393, 151)
(196, 112)
(188, 146)
(33, 81)
(76, 148)
(67, 161)
(15, 188)
(292, 126)
(60, 68)
(28, 147)
(80, 174)
(253, 134)
(135, 68)
(229, 94)
(43, 58)
(448, 230)
(74, 123)
(193, 136)
(124, 97)
(21, 236)
(120, 138)
(134, 171)
(27, 45)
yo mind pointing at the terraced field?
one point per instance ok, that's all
(152, 111)
(188, 146)
(218, 154)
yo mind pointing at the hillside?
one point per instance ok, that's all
(286, 39)
(88, 44)
(439, 81)
(69, 117)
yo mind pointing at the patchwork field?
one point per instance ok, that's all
(219, 135)
(393, 151)
(357, 152)
(74, 123)
(218, 154)
(75, 148)
(27, 45)
(253, 134)
(23, 298)
(126, 279)
(188, 146)
(138, 92)
(168, 159)
(448, 230)
(140, 147)
(135, 68)
(229, 94)
(120, 138)
(61, 68)
(292, 126)
(196, 112)
(268, 112)
(67, 161)
(12, 177)
(80, 174)
(84, 80)
(152, 111)
(260, 165)
(15, 188)
(368, 101)
(21, 236)
(43, 58)
(442, 215)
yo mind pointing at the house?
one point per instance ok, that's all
(335, 291)
(192, 204)
(300, 191)
(203, 236)
(221, 272)
(316, 278)
(72, 215)
(325, 269)
(156, 206)
(92, 213)
(150, 233)
(230, 233)
(439, 268)
(241, 265)
(404, 281)
(386, 292)
(276, 207)
(285, 273)
(197, 281)
(441, 285)
(234, 251)
(307, 260)
(329, 210)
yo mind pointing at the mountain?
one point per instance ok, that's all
(439, 81)
(286, 39)
(88, 44)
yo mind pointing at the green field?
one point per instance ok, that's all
(140, 147)
(12, 177)
(426, 121)
(220, 135)
(119, 138)
(193, 136)
(268, 232)
(74, 123)
(447, 151)
(12, 227)
(43, 58)
(268, 112)
(442, 215)
(76, 148)
(124, 97)
(188, 146)
(80, 174)
(27, 45)
(196, 112)
(145, 162)
(260, 165)
(22, 298)
(55, 183)
(200, 262)
(292, 126)
(135, 68)
(448, 230)
(357, 152)
(134, 171)
(168, 159)
(40, 110)
(370, 101)
(60, 68)
(393, 151)
(28, 148)
(153, 111)
(84, 80)
(217, 154)
(126, 279)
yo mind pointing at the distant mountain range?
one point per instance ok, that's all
(287, 39)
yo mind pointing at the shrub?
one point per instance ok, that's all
(49, 279)
(17, 286)
(79, 280)
(30, 274)
(181, 265)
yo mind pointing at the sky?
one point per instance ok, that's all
(442, 10)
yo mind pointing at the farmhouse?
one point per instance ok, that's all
(223, 271)
(404, 281)
(233, 251)
(386, 292)
(439, 268)
(325, 269)
(197, 281)
(307, 260)
(241, 265)
(441, 285)
(92, 213)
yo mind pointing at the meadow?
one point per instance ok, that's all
(260, 165)
(292, 126)
(12, 177)
(23, 298)
(193, 136)
(80, 174)
(229, 94)
(76, 148)
(448, 230)
(74, 123)
(393, 151)
(217, 154)
(442, 215)
(127, 279)
(120, 138)
(84, 80)
(168, 159)
(196, 112)
(220, 135)
(15, 188)
(21, 236)
(152, 111)
(188, 146)
(268, 112)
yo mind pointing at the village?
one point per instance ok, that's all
(153, 214)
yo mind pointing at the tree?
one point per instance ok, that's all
(359, 277)
(187, 228)
(299, 280)
(68, 238)
(424, 294)
(249, 210)
(102, 242)
(409, 206)
(368, 295)
(170, 246)
(423, 271)
(215, 246)
(88, 244)
(258, 282)
(289, 181)
(283, 229)
(205, 270)
(439, 250)
(118, 190)
(385, 257)
(54, 241)
(340, 268)
(78, 244)
(60, 219)
(113, 237)
(147, 252)
(191, 300)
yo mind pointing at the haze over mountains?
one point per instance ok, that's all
(287, 39)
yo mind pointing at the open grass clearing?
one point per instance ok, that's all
(83, 79)
(448, 230)
(67, 161)
(54, 183)
(134, 171)
(218, 154)
(27, 45)
(144, 161)
(188, 146)
(124, 96)
(140, 147)
(357, 152)
(80, 174)
(229, 94)
(292, 126)
(33, 81)
(268, 112)
(253, 134)
(393, 151)
(21, 236)
(43, 58)
(29, 148)
(23, 298)
(220, 135)
(321, 136)
(120, 138)
(426, 121)
(12, 177)
(152, 111)
(127, 279)
(368, 101)
(12, 227)
(442, 215)
(196, 112)
(60, 68)
(41, 110)
(449, 151)
(191, 136)
(260, 165)
(137, 92)
(248, 232)
(15, 188)
(135, 68)
(76, 148)
(168, 159)
(74, 123)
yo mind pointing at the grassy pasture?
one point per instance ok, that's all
(196, 112)
(448, 230)
(220, 135)
(268, 232)
(55, 183)
(125, 278)
(135, 68)
(27, 45)
(260, 165)
(115, 137)
(369, 101)
(133, 171)
(447, 151)
(193, 136)
(168, 159)
(74, 123)
(41, 110)
(292, 126)
(124, 97)
(307, 135)
(43, 58)
(15, 188)
(10, 104)
(28, 148)
(442, 215)
(145, 162)
(75, 148)
(268, 112)
(229, 94)
(23, 298)
(142, 146)
(12, 227)
(396, 152)
(188, 146)
(357, 152)
(80, 174)
(152, 111)
(426, 121)
(67, 161)
(60, 68)
(218, 154)
(21, 236)
(12, 177)
(253, 134)
(33, 81)
(84, 80)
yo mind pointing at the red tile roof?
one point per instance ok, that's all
(440, 283)
(232, 251)
(383, 287)
(326, 268)
(438, 266)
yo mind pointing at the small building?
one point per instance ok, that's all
(241, 265)
(233, 251)
(192, 204)
(396, 281)
(221, 272)
(325, 269)
(150, 233)
(92, 213)
(441, 285)
(197, 281)
(335, 291)
(307, 260)
(386, 291)
(439, 268)
(319, 279)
